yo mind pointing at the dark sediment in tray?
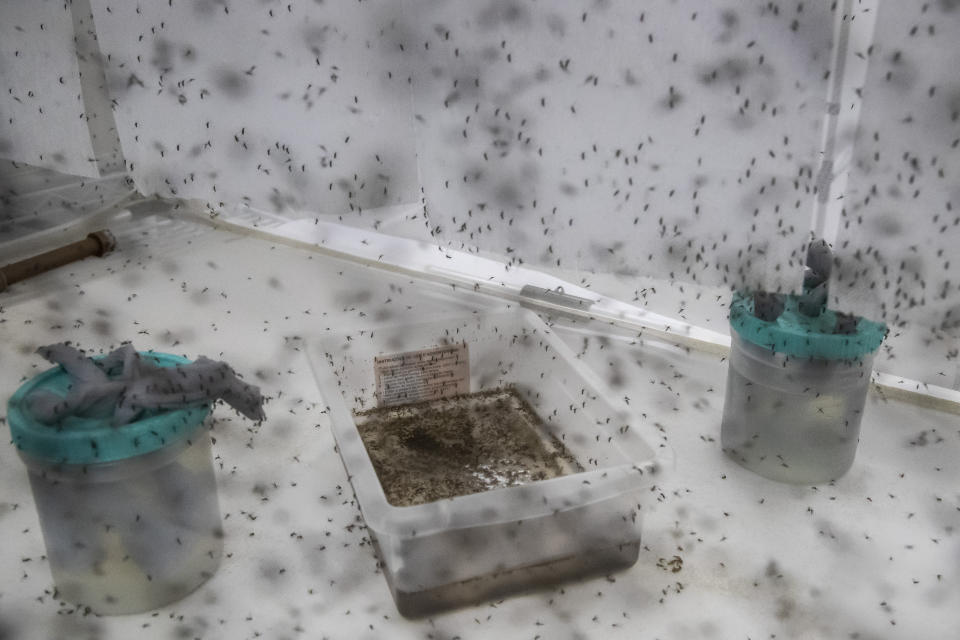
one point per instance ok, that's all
(456, 446)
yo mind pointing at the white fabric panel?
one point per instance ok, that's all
(900, 228)
(287, 107)
(41, 102)
(676, 140)
(35, 200)
(633, 140)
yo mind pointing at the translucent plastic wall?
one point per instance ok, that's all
(698, 142)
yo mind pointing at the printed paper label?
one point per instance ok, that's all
(426, 374)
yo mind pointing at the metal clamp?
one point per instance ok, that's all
(555, 297)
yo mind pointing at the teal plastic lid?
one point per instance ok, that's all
(90, 440)
(830, 335)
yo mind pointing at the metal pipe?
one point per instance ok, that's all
(98, 243)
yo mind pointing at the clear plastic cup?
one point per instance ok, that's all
(129, 514)
(793, 419)
(796, 388)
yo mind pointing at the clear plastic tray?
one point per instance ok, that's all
(470, 548)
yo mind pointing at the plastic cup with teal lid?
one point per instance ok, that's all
(797, 383)
(129, 513)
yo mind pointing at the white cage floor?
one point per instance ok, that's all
(727, 553)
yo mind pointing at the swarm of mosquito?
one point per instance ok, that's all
(675, 142)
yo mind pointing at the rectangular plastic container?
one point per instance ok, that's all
(474, 547)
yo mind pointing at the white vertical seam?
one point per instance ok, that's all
(853, 34)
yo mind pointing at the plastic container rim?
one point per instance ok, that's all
(794, 335)
(47, 438)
